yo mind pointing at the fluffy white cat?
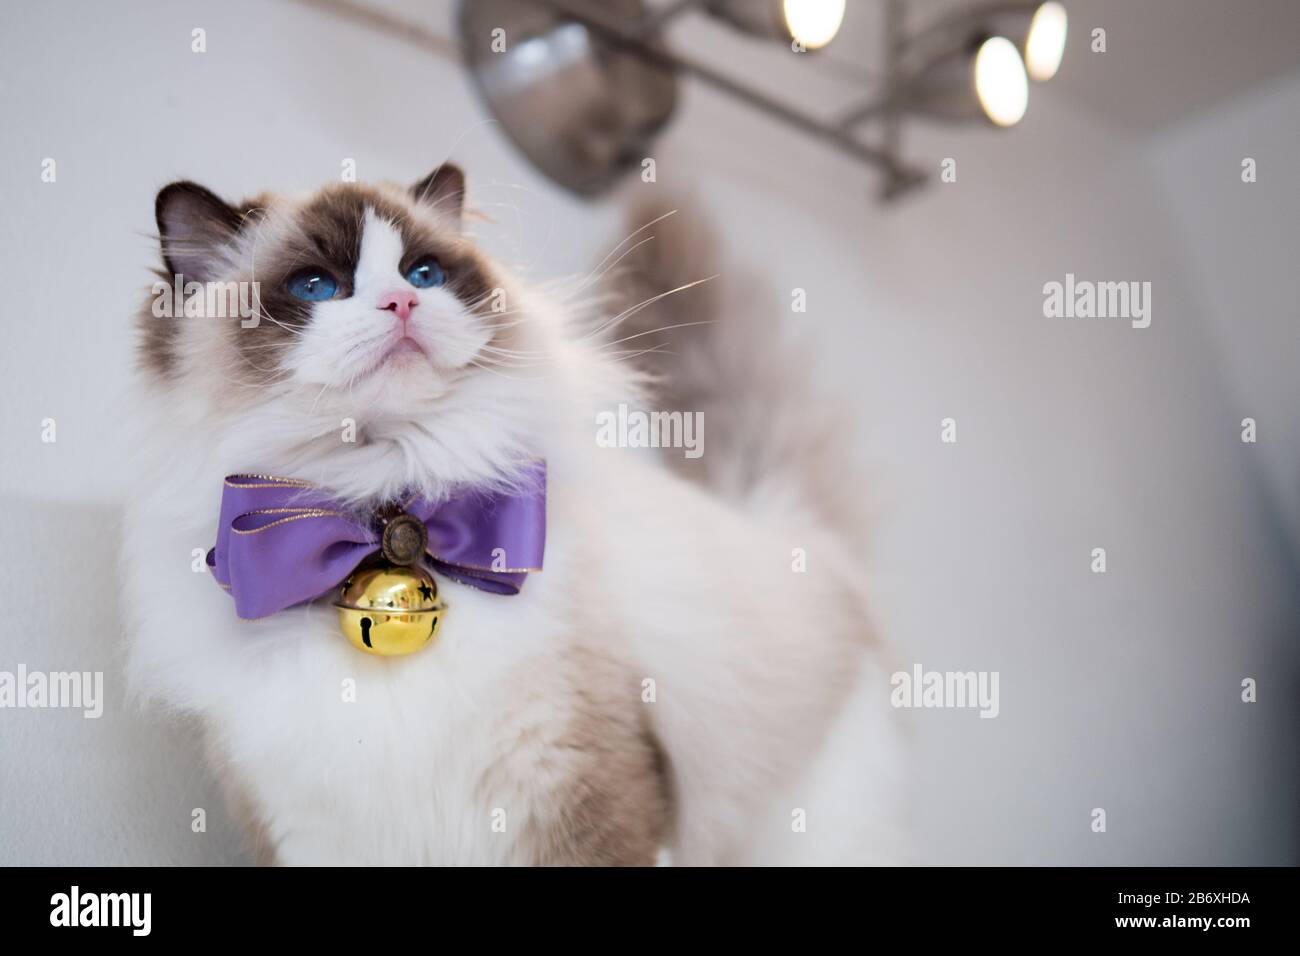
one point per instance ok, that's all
(671, 680)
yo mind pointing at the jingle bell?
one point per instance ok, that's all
(390, 609)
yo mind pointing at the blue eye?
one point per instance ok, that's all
(426, 273)
(312, 285)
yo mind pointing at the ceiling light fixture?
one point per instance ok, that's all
(583, 86)
(973, 64)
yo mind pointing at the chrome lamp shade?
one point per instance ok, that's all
(579, 103)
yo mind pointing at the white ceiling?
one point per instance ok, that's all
(1169, 59)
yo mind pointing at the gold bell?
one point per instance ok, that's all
(390, 609)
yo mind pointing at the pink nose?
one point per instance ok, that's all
(400, 301)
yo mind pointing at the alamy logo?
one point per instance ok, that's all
(102, 909)
(632, 428)
(922, 688)
(1083, 299)
(56, 689)
(207, 300)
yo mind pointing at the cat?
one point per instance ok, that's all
(665, 689)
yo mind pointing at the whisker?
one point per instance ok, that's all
(633, 310)
(662, 328)
(631, 235)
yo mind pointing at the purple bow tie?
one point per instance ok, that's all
(282, 541)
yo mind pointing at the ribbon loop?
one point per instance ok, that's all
(281, 541)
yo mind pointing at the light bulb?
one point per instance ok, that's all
(1000, 81)
(813, 23)
(1046, 42)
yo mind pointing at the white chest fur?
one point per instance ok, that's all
(464, 752)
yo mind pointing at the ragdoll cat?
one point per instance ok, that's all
(669, 681)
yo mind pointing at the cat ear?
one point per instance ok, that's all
(194, 226)
(444, 190)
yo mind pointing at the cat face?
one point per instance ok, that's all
(366, 304)
(367, 290)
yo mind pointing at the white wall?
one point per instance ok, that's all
(1118, 690)
(1242, 247)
